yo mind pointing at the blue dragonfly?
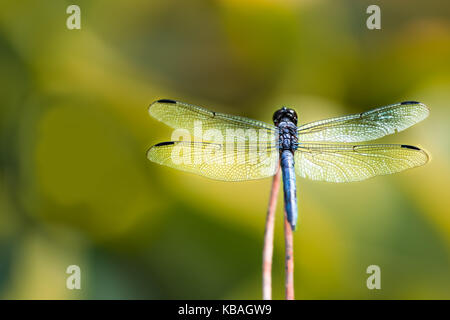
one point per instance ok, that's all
(233, 148)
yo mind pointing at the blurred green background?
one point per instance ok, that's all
(76, 187)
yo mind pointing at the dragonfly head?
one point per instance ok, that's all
(285, 113)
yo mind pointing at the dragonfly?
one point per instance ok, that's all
(234, 148)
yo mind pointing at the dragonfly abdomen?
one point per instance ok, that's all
(289, 186)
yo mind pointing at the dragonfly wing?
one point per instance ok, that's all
(217, 161)
(347, 163)
(179, 115)
(365, 126)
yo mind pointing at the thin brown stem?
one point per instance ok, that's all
(268, 238)
(289, 255)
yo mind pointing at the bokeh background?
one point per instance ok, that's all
(76, 187)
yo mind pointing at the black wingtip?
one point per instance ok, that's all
(410, 147)
(166, 143)
(170, 101)
(166, 101)
(410, 102)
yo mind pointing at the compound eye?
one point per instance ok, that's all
(293, 115)
(276, 116)
(295, 118)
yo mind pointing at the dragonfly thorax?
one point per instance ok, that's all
(286, 121)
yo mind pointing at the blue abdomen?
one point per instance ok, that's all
(289, 186)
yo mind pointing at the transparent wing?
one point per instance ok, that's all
(179, 115)
(365, 126)
(217, 161)
(347, 163)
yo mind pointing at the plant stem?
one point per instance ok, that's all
(289, 255)
(268, 238)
